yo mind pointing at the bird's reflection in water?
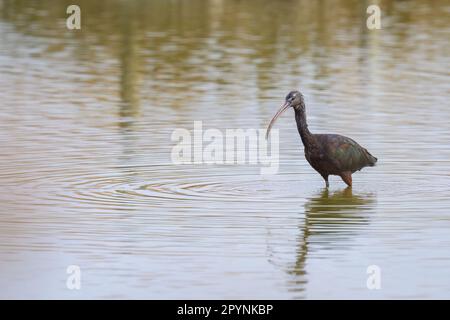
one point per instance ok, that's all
(331, 219)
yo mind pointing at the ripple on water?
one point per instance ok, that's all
(165, 187)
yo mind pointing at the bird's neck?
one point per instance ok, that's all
(307, 137)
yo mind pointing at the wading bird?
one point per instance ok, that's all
(328, 154)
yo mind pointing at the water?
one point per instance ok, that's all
(87, 178)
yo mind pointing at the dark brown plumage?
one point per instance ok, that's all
(328, 154)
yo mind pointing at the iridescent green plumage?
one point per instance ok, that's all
(345, 153)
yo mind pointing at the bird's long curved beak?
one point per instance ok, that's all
(282, 109)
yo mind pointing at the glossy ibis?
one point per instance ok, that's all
(328, 154)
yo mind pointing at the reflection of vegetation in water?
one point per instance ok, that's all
(330, 219)
(129, 78)
(184, 41)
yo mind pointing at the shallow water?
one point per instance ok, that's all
(87, 179)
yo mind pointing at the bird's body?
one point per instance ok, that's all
(328, 154)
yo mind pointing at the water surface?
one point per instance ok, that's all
(86, 174)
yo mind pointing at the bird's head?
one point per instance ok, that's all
(295, 100)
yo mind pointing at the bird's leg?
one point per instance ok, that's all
(325, 177)
(347, 177)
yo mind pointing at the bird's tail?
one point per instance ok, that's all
(372, 160)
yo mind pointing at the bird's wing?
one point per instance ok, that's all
(345, 153)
